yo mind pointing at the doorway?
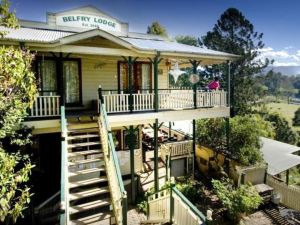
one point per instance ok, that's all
(141, 79)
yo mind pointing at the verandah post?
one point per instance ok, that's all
(171, 203)
(156, 60)
(130, 62)
(155, 130)
(228, 105)
(100, 97)
(131, 149)
(195, 65)
(194, 146)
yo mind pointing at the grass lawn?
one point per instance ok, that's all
(287, 110)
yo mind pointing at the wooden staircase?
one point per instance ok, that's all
(88, 191)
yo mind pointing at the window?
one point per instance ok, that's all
(141, 79)
(50, 83)
(71, 82)
(47, 76)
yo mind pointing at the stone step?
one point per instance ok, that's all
(81, 183)
(89, 206)
(82, 136)
(86, 161)
(93, 219)
(83, 153)
(87, 171)
(84, 144)
(88, 193)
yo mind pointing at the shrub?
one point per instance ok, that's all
(243, 199)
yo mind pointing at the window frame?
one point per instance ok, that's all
(39, 58)
(134, 69)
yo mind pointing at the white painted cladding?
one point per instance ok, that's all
(107, 77)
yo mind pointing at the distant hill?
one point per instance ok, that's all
(285, 70)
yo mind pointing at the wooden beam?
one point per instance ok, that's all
(156, 182)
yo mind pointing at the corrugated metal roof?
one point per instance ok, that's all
(151, 43)
(279, 155)
(34, 35)
(171, 46)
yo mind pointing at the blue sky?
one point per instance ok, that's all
(277, 19)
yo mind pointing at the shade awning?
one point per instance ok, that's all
(279, 155)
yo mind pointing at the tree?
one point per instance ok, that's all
(243, 199)
(283, 131)
(244, 136)
(187, 39)
(157, 29)
(234, 34)
(296, 119)
(17, 92)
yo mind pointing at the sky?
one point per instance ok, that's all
(277, 19)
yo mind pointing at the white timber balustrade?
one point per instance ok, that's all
(211, 99)
(177, 149)
(168, 100)
(143, 101)
(45, 106)
(116, 103)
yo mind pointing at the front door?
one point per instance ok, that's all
(71, 74)
(141, 79)
(50, 83)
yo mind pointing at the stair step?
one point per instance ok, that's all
(82, 153)
(82, 136)
(89, 205)
(88, 193)
(85, 130)
(87, 182)
(93, 219)
(84, 144)
(87, 171)
(85, 161)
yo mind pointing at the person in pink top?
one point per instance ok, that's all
(214, 85)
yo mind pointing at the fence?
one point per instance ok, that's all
(289, 195)
(171, 205)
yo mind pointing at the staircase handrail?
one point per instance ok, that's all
(64, 203)
(112, 165)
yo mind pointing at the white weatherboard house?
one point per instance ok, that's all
(103, 96)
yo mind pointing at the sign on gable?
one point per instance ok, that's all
(88, 21)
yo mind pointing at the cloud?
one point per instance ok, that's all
(283, 57)
(288, 47)
(285, 64)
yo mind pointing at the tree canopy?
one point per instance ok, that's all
(188, 40)
(157, 29)
(17, 92)
(296, 119)
(235, 34)
(244, 136)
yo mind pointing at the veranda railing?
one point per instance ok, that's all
(45, 106)
(117, 190)
(143, 100)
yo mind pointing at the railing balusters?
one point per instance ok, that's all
(45, 106)
(171, 99)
